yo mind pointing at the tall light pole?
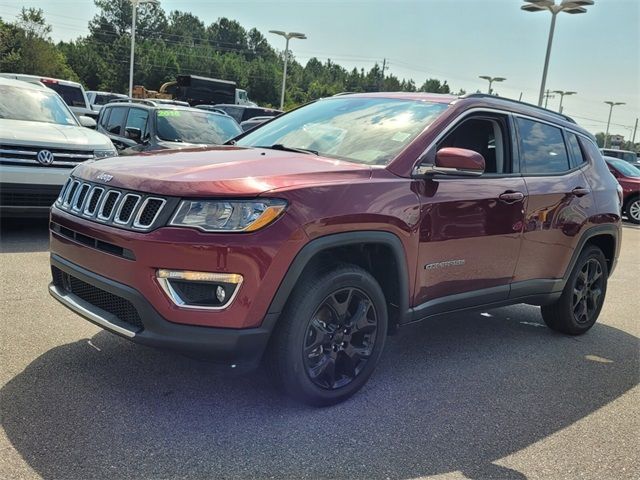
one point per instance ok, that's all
(134, 4)
(562, 94)
(288, 36)
(568, 6)
(491, 80)
(611, 105)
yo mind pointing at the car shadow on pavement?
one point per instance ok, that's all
(454, 394)
(24, 235)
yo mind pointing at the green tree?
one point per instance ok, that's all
(433, 85)
(25, 47)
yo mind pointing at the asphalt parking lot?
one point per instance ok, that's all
(479, 395)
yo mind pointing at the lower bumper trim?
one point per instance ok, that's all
(240, 348)
(90, 312)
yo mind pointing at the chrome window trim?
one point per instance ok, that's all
(121, 205)
(101, 217)
(458, 120)
(136, 221)
(175, 298)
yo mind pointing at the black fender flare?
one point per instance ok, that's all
(316, 246)
(607, 229)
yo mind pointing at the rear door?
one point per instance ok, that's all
(559, 204)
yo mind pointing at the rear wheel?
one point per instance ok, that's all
(578, 307)
(330, 336)
(632, 208)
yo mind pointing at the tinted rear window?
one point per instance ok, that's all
(70, 94)
(542, 147)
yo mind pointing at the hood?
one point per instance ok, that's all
(221, 171)
(42, 134)
(630, 183)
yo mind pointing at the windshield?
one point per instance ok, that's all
(195, 127)
(624, 168)
(33, 105)
(362, 130)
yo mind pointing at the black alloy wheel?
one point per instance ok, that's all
(578, 308)
(340, 338)
(587, 291)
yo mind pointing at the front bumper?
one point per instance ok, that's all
(239, 348)
(29, 191)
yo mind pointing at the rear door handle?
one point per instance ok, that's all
(511, 197)
(580, 191)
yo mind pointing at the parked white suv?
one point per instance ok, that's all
(98, 99)
(40, 142)
(72, 93)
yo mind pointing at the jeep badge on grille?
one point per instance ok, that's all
(104, 177)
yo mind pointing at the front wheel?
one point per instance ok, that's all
(633, 210)
(578, 307)
(330, 336)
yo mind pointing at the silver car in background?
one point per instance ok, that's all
(41, 141)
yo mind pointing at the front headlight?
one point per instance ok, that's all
(227, 215)
(98, 154)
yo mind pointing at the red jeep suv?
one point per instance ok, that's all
(306, 241)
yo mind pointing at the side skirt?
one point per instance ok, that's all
(532, 292)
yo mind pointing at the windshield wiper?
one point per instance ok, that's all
(284, 148)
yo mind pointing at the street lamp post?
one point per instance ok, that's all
(562, 94)
(288, 36)
(134, 4)
(491, 80)
(611, 105)
(568, 6)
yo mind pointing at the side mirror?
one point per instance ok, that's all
(87, 121)
(454, 161)
(134, 134)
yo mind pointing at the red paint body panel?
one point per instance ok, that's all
(262, 258)
(221, 171)
(463, 219)
(437, 219)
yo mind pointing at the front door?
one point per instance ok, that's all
(471, 228)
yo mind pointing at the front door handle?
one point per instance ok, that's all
(511, 196)
(580, 191)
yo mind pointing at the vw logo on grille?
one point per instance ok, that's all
(45, 157)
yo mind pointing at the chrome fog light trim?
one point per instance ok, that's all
(166, 276)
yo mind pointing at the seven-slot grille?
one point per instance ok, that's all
(27, 155)
(112, 206)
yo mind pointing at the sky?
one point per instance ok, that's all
(596, 54)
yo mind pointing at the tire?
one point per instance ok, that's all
(632, 209)
(335, 322)
(578, 307)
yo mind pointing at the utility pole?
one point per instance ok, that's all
(547, 96)
(611, 105)
(384, 67)
(633, 138)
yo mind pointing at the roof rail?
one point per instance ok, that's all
(144, 101)
(511, 100)
(152, 102)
